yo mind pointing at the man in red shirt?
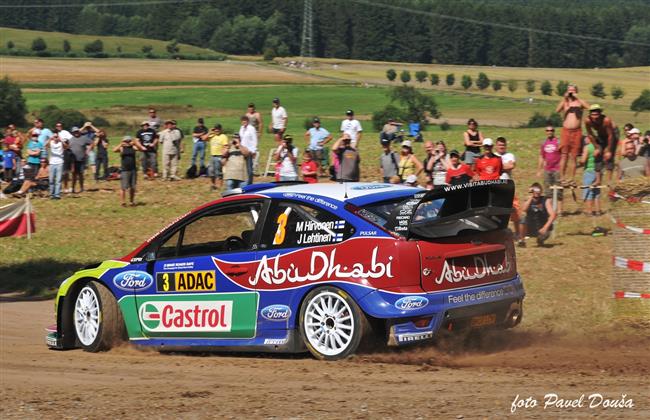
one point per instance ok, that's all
(488, 166)
(457, 171)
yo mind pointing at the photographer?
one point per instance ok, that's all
(347, 160)
(235, 170)
(539, 216)
(57, 153)
(101, 160)
(128, 170)
(571, 107)
(435, 163)
(286, 156)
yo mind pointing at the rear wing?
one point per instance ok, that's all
(450, 210)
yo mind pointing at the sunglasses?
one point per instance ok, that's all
(550, 131)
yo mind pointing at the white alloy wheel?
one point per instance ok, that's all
(87, 316)
(331, 323)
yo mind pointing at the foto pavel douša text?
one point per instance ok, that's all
(553, 400)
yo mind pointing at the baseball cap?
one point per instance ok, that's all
(316, 119)
(385, 142)
(454, 153)
(287, 137)
(411, 179)
(595, 107)
(276, 100)
(488, 142)
(144, 123)
(406, 143)
(349, 112)
(75, 128)
(635, 131)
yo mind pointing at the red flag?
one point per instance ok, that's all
(17, 219)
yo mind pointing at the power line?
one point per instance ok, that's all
(495, 24)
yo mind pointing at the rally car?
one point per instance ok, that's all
(296, 267)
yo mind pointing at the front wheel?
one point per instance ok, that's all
(98, 320)
(331, 323)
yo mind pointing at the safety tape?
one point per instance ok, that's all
(631, 228)
(619, 294)
(631, 264)
(616, 196)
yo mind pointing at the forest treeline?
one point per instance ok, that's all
(367, 30)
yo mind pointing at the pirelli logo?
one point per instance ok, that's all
(186, 281)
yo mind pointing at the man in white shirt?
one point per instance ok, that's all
(508, 160)
(279, 120)
(353, 128)
(248, 136)
(56, 147)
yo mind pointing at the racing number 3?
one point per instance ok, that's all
(282, 229)
(166, 282)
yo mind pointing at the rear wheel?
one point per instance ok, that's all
(331, 323)
(98, 320)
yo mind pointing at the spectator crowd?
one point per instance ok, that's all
(58, 159)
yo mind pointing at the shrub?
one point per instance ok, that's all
(434, 78)
(147, 49)
(642, 103)
(269, 54)
(391, 74)
(421, 76)
(10, 45)
(379, 118)
(512, 85)
(466, 81)
(445, 126)
(405, 76)
(100, 122)
(39, 45)
(561, 87)
(172, 47)
(69, 117)
(598, 90)
(417, 105)
(617, 92)
(12, 103)
(546, 88)
(540, 120)
(450, 79)
(482, 82)
(66, 46)
(496, 85)
(94, 47)
(530, 86)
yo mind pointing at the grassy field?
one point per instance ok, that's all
(22, 39)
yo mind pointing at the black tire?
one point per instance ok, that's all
(109, 330)
(357, 324)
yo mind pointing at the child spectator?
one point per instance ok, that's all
(309, 168)
(457, 171)
(128, 170)
(9, 161)
(388, 161)
(590, 178)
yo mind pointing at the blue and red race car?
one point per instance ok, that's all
(295, 267)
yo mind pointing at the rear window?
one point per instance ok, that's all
(394, 215)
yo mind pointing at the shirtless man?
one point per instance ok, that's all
(255, 119)
(601, 132)
(571, 136)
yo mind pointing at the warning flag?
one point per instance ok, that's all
(17, 219)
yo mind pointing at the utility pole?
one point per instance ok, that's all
(307, 44)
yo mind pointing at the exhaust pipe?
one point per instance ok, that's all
(514, 315)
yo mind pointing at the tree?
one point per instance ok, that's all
(512, 85)
(66, 46)
(147, 49)
(421, 76)
(530, 86)
(450, 79)
(466, 81)
(12, 103)
(496, 85)
(94, 47)
(482, 82)
(39, 45)
(546, 88)
(642, 103)
(405, 76)
(172, 47)
(561, 87)
(598, 90)
(417, 105)
(617, 92)
(10, 45)
(434, 78)
(391, 74)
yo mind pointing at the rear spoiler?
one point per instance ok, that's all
(447, 210)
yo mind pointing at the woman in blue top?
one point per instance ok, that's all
(33, 163)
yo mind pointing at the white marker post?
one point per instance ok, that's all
(28, 207)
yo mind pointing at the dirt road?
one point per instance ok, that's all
(448, 381)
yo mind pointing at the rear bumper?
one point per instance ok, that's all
(493, 304)
(52, 339)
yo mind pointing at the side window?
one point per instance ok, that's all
(224, 230)
(292, 225)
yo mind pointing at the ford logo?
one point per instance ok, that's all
(411, 303)
(133, 281)
(276, 312)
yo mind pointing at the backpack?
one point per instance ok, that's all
(191, 172)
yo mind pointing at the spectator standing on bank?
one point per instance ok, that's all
(80, 145)
(279, 119)
(9, 159)
(388, 165)
(602, 133)
(217, 142)
(148, 138)
(632, 136)
(44, 134)
(539, 217)
(255, 119)
(352, 127)
(32, 164)
(317, 137)
(435, 163)
(591, 178)
(309, 168)
(458, 172)
(286, 155)
(571, 107)
(57, 150)
(170, 138)
(64, 135)
(128, 167)
(198, 145)
(473, 140)
(508, 163)
(90, 131)
(154, 120)
(488, 166)
(633, 165)
(248, 138)
(348, 160)
(234, 164)
(101, 150)
(408, 164)
(548, 166)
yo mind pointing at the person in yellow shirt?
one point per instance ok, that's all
(217, 141)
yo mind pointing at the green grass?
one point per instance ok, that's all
(22, 39)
